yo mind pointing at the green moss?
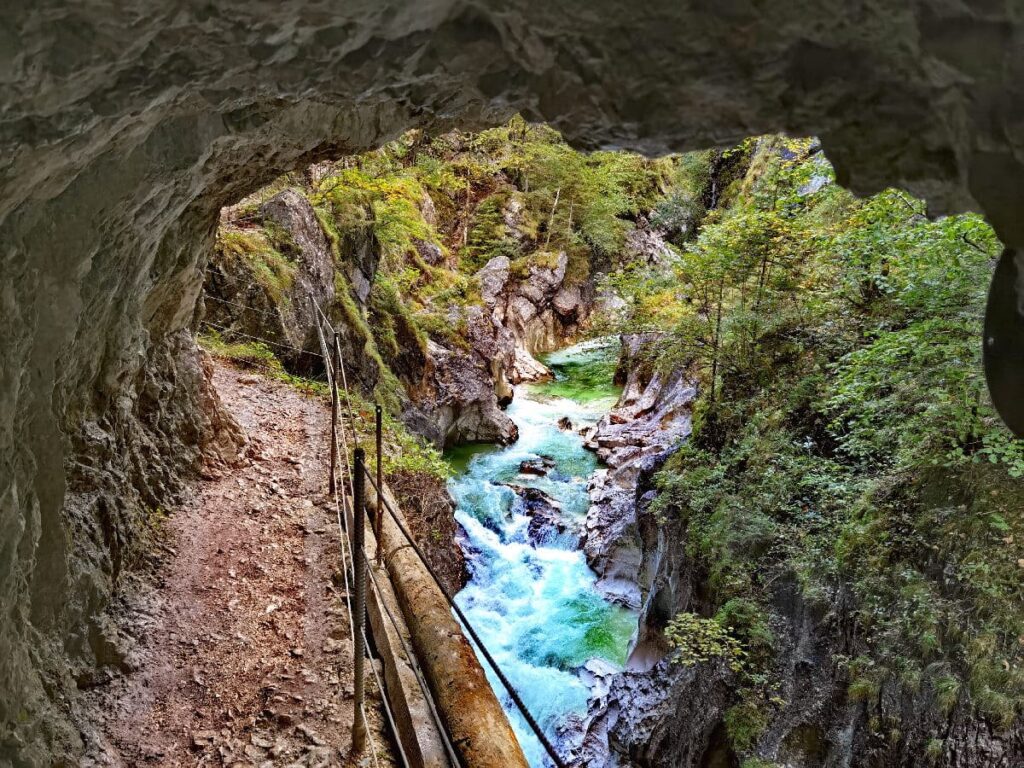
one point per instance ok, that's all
(251, 353)
(260, 358)
(273, 271)
(744, 724)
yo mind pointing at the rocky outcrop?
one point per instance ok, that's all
(263, 292)
(650, 420)
(656, 714)
(547, 522)
(667, 717)
(646, 244)
(538, 309)
(458, 403)
(464, 390)
(453, 395)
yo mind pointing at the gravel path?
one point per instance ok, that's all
(242, 651)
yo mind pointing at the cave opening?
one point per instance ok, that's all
(126, 132)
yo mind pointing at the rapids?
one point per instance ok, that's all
(535, 606)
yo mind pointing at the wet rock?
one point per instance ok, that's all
(565, 424)
(546, 519)
(539, 466)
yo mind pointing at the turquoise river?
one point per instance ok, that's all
(535, 605)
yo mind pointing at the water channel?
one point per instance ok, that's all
(532, 597)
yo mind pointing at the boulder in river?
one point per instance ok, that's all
(539, 466)
(545, 513)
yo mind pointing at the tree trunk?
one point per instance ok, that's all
(551, 221)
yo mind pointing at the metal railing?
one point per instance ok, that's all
(351, 510)
(383, 504)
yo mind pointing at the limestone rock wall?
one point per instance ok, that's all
(125, 127)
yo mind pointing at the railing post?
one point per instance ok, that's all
(378, 520)
(332, 485)
(359, 609)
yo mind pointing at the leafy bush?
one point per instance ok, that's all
(697, 640)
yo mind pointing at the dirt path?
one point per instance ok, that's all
(243, 654)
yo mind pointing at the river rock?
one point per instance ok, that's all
(546, 519)
(539, 466)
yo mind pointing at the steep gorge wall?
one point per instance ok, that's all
(125, 129)
(661, 714)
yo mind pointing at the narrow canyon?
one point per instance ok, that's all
(471, 387)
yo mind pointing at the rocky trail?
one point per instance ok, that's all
(240, 647)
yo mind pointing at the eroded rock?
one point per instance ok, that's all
(649, 421)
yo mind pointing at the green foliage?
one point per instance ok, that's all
(843, 433)
(258, 356)
(403, 451)
(412, 453)
(681, 210)
(246, 353)
(745, 722)
(389, 202)
(697, 640)
(488, 235)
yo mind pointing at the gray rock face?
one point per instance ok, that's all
(650, 419)
(237, 302)
(646, 244)
(657, 714)
(461, 405)
(127, 127)
(539, 311)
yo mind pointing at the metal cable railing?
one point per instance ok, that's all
(246, 307)
(382, 602)
(342, 510)
(512, 692)
(351, 543)
(383, 503)
(278, 344)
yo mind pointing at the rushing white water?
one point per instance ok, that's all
(535, 607)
